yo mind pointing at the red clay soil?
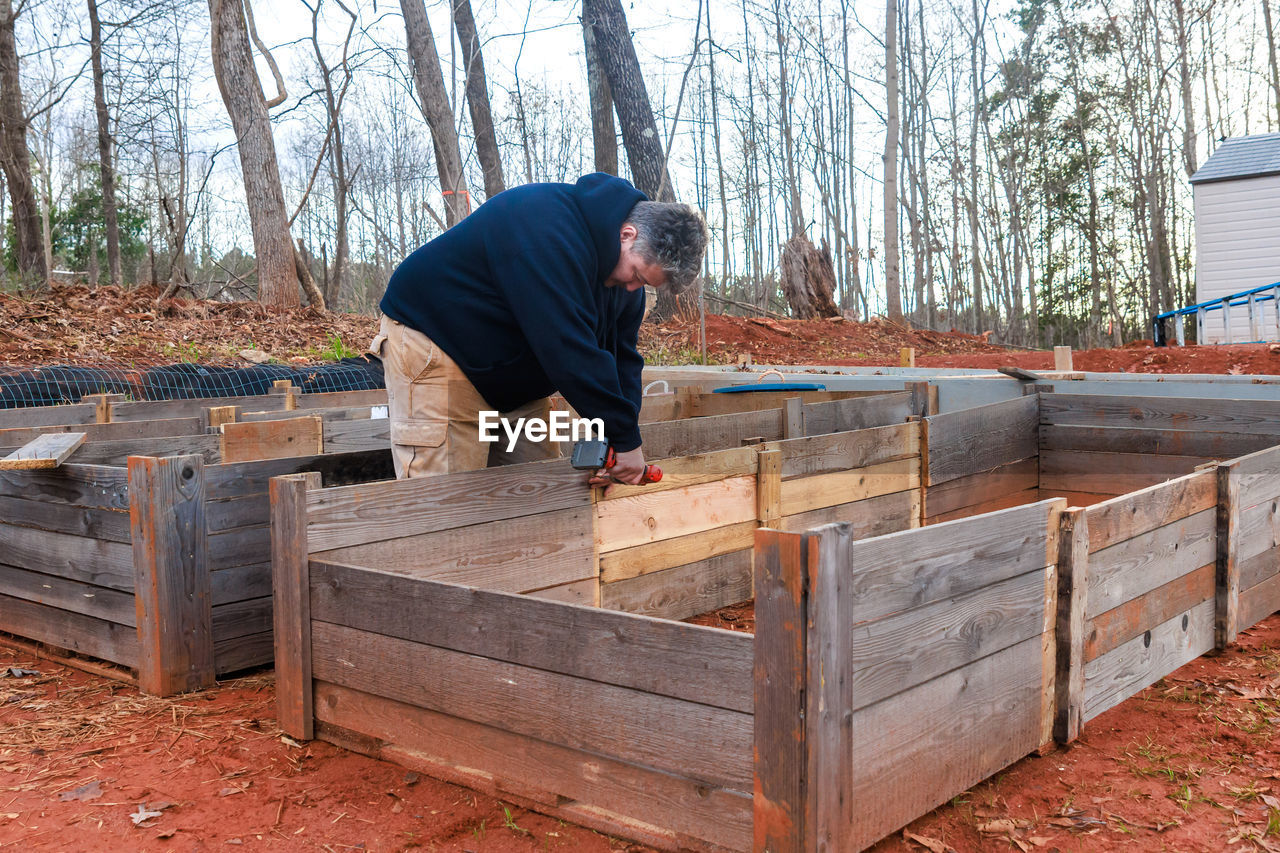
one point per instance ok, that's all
(76, 325)
(1190, 764)
(88, 763)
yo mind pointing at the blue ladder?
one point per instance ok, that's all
(1248, 298)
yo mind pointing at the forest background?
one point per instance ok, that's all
(1020, 167)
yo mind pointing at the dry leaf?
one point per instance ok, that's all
(142, 815)
(925, 841)
(86, 792)
(997, 827)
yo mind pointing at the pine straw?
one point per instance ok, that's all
(52, 724)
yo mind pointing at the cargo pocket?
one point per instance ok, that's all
(375, 348)
(419, 433)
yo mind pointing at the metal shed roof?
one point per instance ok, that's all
(1242, 157)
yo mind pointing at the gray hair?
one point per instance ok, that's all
(671, 236)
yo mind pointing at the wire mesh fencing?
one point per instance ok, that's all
(55, 384)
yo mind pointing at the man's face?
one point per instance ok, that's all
(632, 272)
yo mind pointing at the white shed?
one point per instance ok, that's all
(1237, 208)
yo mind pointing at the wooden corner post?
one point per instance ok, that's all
(1227, 584)
(829, 694)
(171, 574)
(793, 418)
(780, 680)
(291, 602)
(1073, 584)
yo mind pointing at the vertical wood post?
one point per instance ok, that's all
(171, 574)
(216, 416)
(291, 602)
(1062, 359)
(1073, 586)
(922, 437)
(907, 357)
(102, 405)
(769, 487)
(793, 418)
(829, 693)
(923, 398)
(780, 676)
(1227, 593)
(285, 387)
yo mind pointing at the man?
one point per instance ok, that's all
(539, 290)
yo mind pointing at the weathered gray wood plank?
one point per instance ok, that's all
(658, 656)
(718, 432)
(291, 593)
(780, 677)
(48, 450)
(1259, 475)
(80, 558)
(1136, 566)
(171, 574)
(499, 763)
(982, 438)
(101, 486)
(65, 594)
(241, 619)
(38, 416)
(922, 747)
(1117, 626)
(1144, 660)
(1111, 473)
(352, 435)
(685, 738)
(899, 651)
(823, 454)
(1258, 602)
(90, 522)
(683, 591)
(1133, 514)
(981, 488)
(516, 555)
(1260, 417)
(1070, 624)
(916, 567)
(856, 414)
(1164, 442)
(240, 582)
(355, 515)
(97, 638)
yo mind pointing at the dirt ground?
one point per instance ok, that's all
(76, 325)
(87, 763)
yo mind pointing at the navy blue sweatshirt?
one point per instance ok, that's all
(515, 294)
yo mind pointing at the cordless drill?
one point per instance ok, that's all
(594, 455)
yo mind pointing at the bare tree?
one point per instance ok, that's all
(247, 106)
(604, 134)
(14, 158)
(892, 257)
(109, 212)
(478, 99)
(434, 102)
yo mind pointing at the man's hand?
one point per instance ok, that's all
(628, 468)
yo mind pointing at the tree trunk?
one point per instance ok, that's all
(639, 130)
(478, 99)
(434, 101)
(892, 259)
(242, 94)
(604, 135)
(1184, 79)
(1271, 55)
(808, 278)
(15, 159)
(109, 215)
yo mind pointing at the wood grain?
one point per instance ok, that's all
(824, 454)
(1144, 660)
(1117, 626)
(291, 593)
(44, 451)
(685, 738)
(1133, 514)
(669, 553)
(1258, 417)
(1136, 566)
(684, 591)
(171, 587)
(642, 518)
(86, 635)
(982, 438)
(657, 656)
(809, 493)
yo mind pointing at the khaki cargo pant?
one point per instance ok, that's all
(435, 410)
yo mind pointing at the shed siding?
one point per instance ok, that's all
(1237, 248)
